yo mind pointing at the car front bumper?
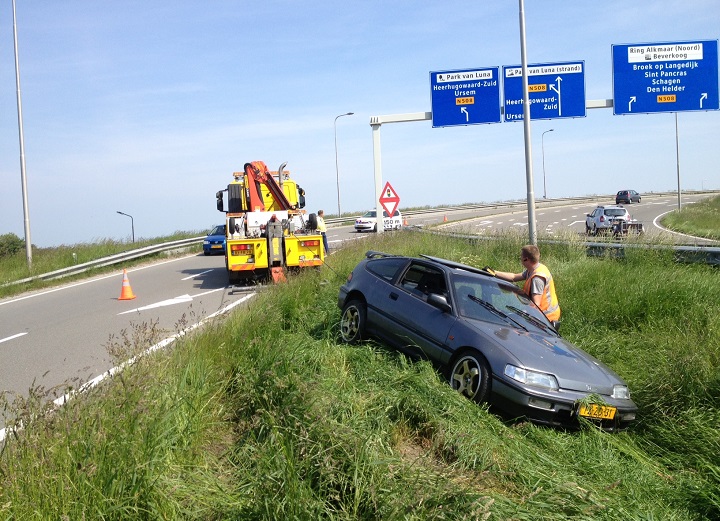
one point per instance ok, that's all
(556, 409)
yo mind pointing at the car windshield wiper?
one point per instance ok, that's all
(527, 316)
(496, 311)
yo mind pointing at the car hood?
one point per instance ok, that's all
(574, 369)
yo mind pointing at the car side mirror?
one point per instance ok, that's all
(438, 301)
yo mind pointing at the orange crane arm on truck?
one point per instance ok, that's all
(257, 173)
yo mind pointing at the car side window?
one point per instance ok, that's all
(386, 268)
(421, 280)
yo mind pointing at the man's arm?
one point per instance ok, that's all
(510, 277)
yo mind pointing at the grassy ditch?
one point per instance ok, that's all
(265, 415)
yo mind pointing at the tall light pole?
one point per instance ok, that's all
(23, 178)
(337, 170)
(542, 139)
(132, 224)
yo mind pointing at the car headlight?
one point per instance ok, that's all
(621, 392)
(206, 242)
(534, 378)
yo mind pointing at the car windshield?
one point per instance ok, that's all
(218, 230)
(518, 310)
(615, 212)
(371, 213)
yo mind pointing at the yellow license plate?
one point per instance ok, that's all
(598, 412)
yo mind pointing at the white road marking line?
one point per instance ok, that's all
(11, 337)
(170, 302)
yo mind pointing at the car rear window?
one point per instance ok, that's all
(614, 211)
(386, 268)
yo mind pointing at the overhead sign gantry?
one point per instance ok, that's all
(665, 77)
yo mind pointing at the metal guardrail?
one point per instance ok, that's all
(688, 254)
(113, 259)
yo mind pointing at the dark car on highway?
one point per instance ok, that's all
(627, 197)
(215, 241)
(491, 342)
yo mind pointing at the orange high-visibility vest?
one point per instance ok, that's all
(548, 300)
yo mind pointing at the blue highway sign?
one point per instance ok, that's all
(465, 97)
(665, 77)
(555, 90)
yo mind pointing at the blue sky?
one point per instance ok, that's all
(148, 107)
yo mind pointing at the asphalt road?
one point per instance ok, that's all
(62, 334)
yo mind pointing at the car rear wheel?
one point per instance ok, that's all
(353, 321)
(470, 376)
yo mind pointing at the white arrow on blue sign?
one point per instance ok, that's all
(555, 90)
(665, 77)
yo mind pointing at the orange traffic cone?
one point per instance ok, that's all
(127, 292)
(445, 219)
(405, 223)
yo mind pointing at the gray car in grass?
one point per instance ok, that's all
(491, 342)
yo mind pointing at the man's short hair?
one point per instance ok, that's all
(531, 252)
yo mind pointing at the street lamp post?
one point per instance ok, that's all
(542, 139)
(132, 224)
(337, 170)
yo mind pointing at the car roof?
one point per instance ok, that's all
(372, 254)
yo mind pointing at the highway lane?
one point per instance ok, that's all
(53, 336)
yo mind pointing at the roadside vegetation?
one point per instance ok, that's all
(701, 219)
(266, 415)
(14, 267)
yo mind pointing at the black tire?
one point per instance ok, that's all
(353, 322)
(587, 229)
(312, 222)
(375, 228)
(206, 252)
(470, 376)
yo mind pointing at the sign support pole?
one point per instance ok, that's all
(532, 232)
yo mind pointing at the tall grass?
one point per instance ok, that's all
(268, 416)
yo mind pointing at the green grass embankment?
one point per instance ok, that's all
(701, 219)
(268, 416)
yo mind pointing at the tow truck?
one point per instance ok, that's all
(267, 231)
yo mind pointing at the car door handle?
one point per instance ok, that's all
(394, 296)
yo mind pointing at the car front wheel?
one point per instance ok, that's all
(352, 322)
(470, 376)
